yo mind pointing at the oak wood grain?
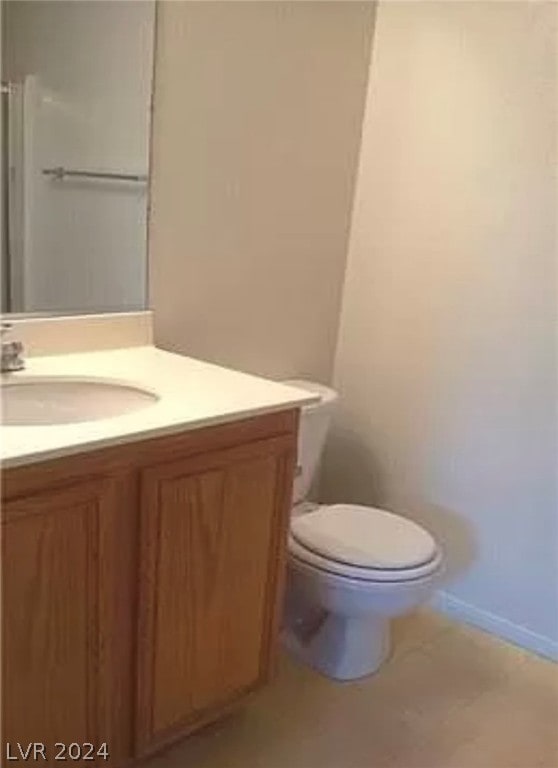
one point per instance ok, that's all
(211, 531)
(54, 571)
(142, 584)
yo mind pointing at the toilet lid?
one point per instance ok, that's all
(364, 536)
(302, 555)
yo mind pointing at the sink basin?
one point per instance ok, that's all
(46, 401)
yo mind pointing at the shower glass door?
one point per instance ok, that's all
(13, 196)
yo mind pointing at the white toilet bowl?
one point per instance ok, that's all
(351, 569)
(338, 613)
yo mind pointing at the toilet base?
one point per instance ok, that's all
(340, 647)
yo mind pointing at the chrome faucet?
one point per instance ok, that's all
(12, 352)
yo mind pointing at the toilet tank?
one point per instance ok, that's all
(314, 424)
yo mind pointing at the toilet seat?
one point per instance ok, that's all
(363, 543)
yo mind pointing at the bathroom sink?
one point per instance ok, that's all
(46, 401)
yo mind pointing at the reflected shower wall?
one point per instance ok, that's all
(13, 188)
(76, 94)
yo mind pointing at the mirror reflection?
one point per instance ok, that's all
(76, 98)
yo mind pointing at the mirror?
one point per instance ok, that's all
(76, 100)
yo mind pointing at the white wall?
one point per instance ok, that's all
(257, 117)
(447, 351)
(88, 108)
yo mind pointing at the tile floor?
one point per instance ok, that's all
(450, 697)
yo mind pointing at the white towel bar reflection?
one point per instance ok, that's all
(61, 173)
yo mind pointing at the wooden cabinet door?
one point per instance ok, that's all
(213, 539)
(58, 578)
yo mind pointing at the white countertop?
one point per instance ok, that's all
(192, 394)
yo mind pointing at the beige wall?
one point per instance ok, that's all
(447, 352)
(258, 110)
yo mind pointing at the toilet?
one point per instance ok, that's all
(351, 568)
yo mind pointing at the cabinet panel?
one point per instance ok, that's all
(53, 583)
(213, 531)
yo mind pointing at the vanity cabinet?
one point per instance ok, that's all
(210, 551)
(58, 574)
(142, 585)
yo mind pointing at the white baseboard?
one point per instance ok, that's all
(496, 625)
